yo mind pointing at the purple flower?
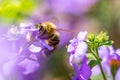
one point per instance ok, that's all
(28, 65)
(117, 77)
(17, 55)
(34, 48)
(84, 72)
(77, 48)
(118, 54)
(110, 59)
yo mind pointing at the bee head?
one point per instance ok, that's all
(50, 27)
(40, 26)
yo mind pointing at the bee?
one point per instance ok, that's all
(48, 32)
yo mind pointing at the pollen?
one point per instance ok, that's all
(66, 46)
(114, 62)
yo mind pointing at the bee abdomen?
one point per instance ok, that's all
(53, 40)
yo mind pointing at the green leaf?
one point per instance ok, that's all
(93, 63)
(113, 69)
(107, 43)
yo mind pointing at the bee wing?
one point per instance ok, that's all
(66, 30)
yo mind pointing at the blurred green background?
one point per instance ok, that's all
(101, 15)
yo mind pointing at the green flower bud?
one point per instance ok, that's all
(98, 40)
(102, 37)
(91, 37)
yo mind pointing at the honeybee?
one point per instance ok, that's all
(48, 32)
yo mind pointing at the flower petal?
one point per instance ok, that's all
(75, 60)
(118, 52)
(82, 35)
(103, 51)
(8, 67)
(70, 59)
(29, 66)
(117, 77)
(85, 70)
(34, 48)
(70, 48)
(81, 49)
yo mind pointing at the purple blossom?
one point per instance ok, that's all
(8, 67)
(104, 53)
(109, 56)
(117, 77)
(19, 55)
(84, 72)
(34, 48)
(31, 32)
(77, 48)
(29, 65)
(118, 54)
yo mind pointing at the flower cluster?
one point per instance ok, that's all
(92, 55)
(23, 51)
(111, 61)
(78, 49)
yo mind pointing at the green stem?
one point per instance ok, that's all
(113, 78)
(102, 71)
(103, 74)
(96, 50)
(98, 59)
(93, 53)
